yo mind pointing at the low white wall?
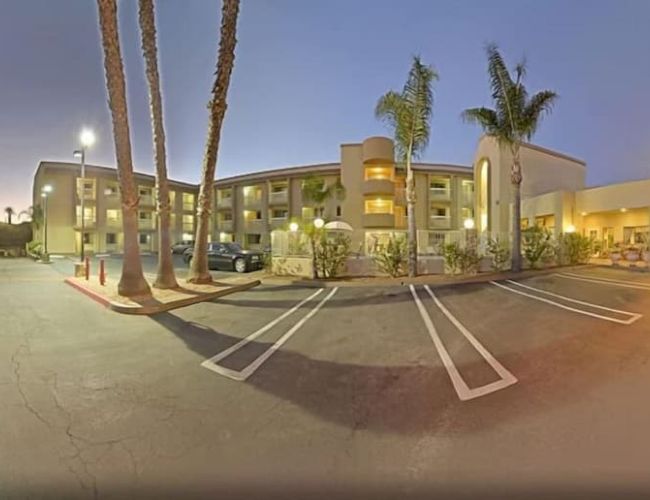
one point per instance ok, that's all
(292, 266)
(431, 264)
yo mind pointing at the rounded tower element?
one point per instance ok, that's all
(378, 150)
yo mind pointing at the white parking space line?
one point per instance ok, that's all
(211, 364)
(632, 319)
(461, 387)
(604, 281)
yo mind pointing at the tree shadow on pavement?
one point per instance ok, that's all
(417, 399)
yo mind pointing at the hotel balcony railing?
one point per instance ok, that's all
(277, 222)
(378, 220)
(224, 225)
(255, 225)
(439, 221)
(439, 193)
(378, 186)
(188, 207)
(146, 224)
(252, 201)
(279, 198)
(224, 202)
(88, 222)
(188, 228)
(146, 200)
(114, 222)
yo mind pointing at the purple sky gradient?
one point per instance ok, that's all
(308, 74)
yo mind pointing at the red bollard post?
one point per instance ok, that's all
(87, 262)
(102, 273)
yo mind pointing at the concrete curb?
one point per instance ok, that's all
(160, 307)
(434, 281)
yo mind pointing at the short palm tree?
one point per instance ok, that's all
(409, 113)
(132, 282)
(199, 272)
(514, 120)
(165, 277)
(10, 212)
(315, 193)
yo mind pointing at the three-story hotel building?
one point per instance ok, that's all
(246, 208)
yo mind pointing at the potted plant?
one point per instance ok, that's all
(632, 254)
(615, 254)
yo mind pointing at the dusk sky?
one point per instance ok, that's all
(308, 74)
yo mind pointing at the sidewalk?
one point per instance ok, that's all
(160, 300)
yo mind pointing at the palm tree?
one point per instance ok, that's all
(132, 280)
(199, 272)
(10, 212)
(409, 113)
(514, 120)
(35, 214)
(165, 277)
(315, 193)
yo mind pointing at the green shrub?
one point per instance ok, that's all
(500, 254)
(572, 249)
(34, 249)
(392, 258)
(463, 260)
(537, 245)
(330, 254)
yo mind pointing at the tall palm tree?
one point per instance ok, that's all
(514, 120)
(315, 193)
(165, 277)
(199, 272)
(409, 113)
(10, 212)
(132, 280)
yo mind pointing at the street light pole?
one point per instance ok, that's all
(45, 191)
(87, 139)
(83, 196)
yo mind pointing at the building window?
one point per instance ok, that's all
(87, 186)
(225, 237)
(111, 238)
(252, 215)
(188, 223)
(439, 211)
(379, 206)
(338, 210)
(379, 172)
(253, 239)
(144, 215)
(86, 238)
(188, 202)
(279, 213)
(112, 217)
(280, 187)
(89, 215)
(172, 199)
(439, 186)
(144, 239)
(252, 194)
(225, 216)
(111, 189)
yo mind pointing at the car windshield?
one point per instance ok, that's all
(232, 247)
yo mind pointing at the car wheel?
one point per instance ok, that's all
(188, 261)
(240, 265)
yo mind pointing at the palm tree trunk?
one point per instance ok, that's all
(411, 223)
(515, 179)
(199, 272)
(165, 277)
(132, 281)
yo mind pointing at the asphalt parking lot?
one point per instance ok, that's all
(492, 389)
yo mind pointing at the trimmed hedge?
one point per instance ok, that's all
(15, 235)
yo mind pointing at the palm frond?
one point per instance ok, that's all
(418, 96)
(540, 104)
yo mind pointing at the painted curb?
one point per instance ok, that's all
(158, 308)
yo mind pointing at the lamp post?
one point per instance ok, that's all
(45, 191)
(87, 139)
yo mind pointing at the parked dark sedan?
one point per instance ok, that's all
(182, 246)
(229, 257)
